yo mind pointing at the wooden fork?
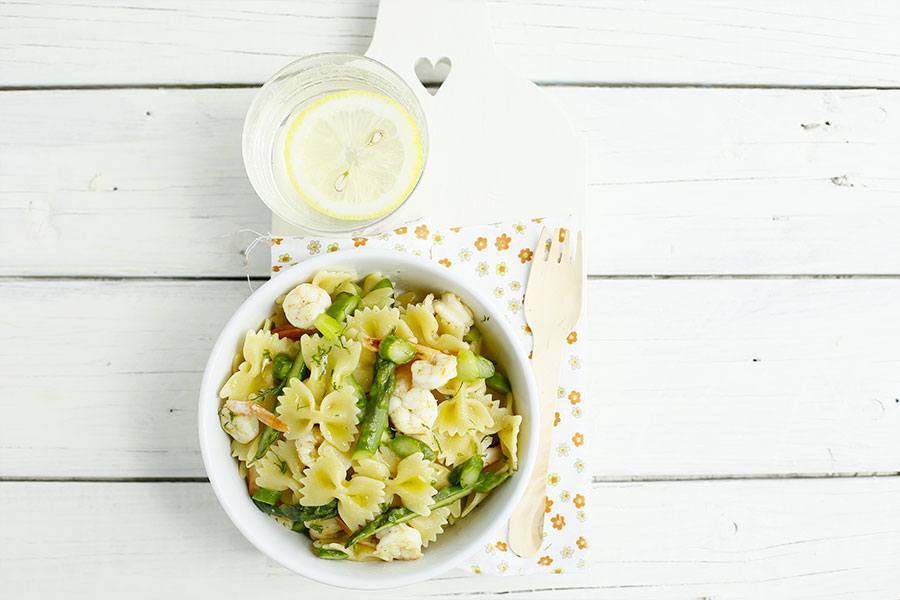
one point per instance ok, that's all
(552, 306)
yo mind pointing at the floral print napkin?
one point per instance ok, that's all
(497, 258)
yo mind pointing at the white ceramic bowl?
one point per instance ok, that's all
(292, 550)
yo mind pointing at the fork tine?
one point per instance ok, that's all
(555, 247)
(567, 249)
(540, 251)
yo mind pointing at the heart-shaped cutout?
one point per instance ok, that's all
(433, 75)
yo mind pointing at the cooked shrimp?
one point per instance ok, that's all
(433, 371)
(492, 455)
(456, 317)
(304, 303)
(244, 412)
(308, 445)
(325, 529)
(238, 422)
(400, 542)
(412, 411)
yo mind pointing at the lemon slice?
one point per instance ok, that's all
(354, 155)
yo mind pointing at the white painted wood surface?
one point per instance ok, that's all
(681, 181)
(732, 404)
(809, 42)
(797, 539)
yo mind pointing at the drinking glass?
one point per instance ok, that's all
(288, 93)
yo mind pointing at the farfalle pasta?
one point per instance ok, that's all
(370, 421)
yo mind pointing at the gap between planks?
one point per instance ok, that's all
(239, 85)
(590, 277)
(594, 479)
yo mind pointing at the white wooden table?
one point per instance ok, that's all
(744, 208)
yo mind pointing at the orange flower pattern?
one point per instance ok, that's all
(505, 254)
(558, 521)
(525, 255)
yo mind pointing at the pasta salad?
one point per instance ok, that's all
(367, 417)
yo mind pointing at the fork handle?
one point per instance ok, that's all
(526, 526)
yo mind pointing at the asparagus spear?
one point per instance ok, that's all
(471, 366)
(499, 382)
(343, 306)
(466, 474)
(298, 370)
(403, 446)
(281, 366)
(267, 496)
(330, 553)
(298, 513)
(384, 283)
(396, 349)
(268, 437)
(375, 420)
(328, 326)
(358, 391)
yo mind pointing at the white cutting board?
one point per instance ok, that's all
(499, 148)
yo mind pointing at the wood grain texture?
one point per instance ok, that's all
(689, 378)
(734, 539)
(681, 181)
(825, 42)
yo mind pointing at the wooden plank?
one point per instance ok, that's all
(153, 179)
(831, 42)
(682, 181)
(687, 378)
(798, 539)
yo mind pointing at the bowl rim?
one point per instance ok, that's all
(229, 336)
